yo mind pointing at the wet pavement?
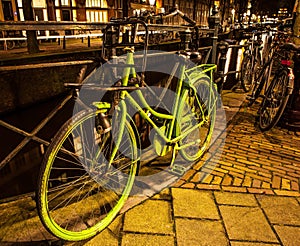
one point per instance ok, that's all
(244, 191)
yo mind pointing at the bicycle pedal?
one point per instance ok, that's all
(178, 170)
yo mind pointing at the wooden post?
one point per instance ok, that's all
(64, 43)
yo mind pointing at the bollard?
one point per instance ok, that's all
(214, 23)
(232, 78)
(64, 42)
(89, 41)
(223, 48)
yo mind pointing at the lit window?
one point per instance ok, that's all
(21, 15)
(74, 15)
(104, 16)
(103, 3)
(88, 16)
(58, 15)
(65, 2)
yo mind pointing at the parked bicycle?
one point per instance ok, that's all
(89, 169)
(281, 87)
(17, 40)
(267, 71)
(252, 61)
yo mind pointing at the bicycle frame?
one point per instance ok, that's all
(262, 80)
(169, 138)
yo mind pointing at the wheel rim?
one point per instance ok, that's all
(198, 110)
(82, 199)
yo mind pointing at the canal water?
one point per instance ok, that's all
(20, 174)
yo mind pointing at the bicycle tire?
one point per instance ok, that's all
(76, 198)
(196, 109)
(274, 102)
(10, 44)
(246, 74)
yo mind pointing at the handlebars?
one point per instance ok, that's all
(182, 15)
(148, 16)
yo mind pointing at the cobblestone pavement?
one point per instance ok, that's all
(249, 160)
(244, 192)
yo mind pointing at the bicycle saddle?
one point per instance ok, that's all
(230, 41)
(189, 54)
(291, 46)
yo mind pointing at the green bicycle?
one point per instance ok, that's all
(89, 169)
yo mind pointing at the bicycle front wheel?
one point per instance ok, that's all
(198, 109)
(274, 101)
(261, 82)
(246, 74)
(80, 191)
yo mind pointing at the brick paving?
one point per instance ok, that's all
(244, 159)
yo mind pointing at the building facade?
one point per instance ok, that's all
(102, 10)
(57, 10)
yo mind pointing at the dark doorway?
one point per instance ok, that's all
(66, 16)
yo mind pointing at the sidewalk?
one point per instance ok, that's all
(179, 216)
(246, 194)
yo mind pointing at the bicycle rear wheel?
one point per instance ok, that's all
(79, 193)
(198, 108)
(274, 101)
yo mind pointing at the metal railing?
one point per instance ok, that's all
(54, 26)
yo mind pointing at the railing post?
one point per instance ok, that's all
(89, 41)
(223, 48)
(186, 38)
(214, 22)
